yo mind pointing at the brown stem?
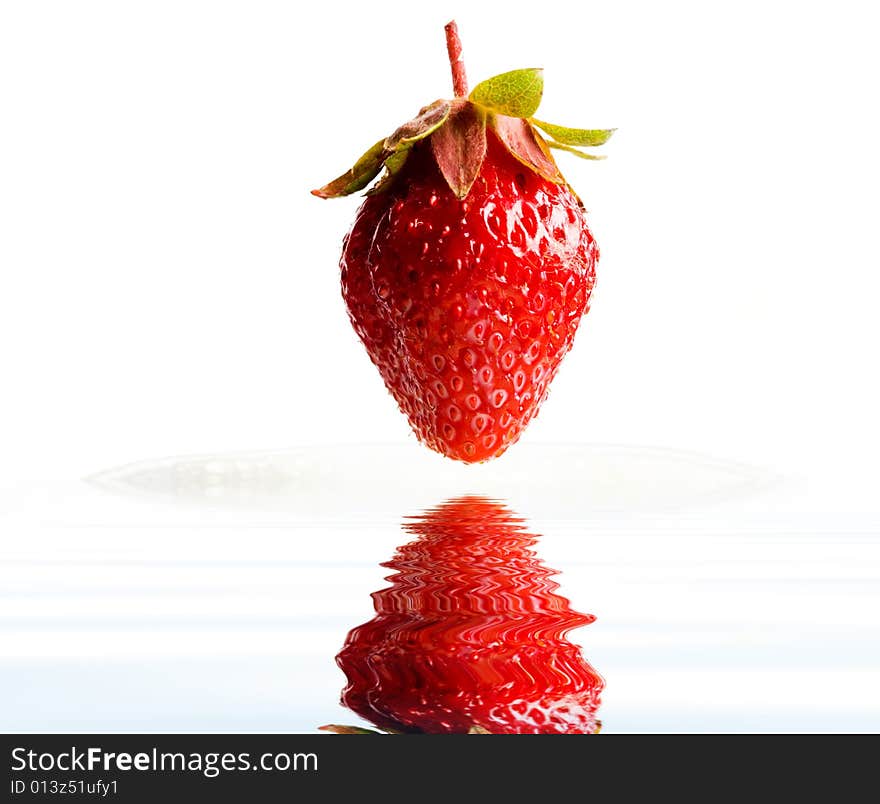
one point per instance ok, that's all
(453, 47)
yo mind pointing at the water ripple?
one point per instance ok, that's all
(471, 633)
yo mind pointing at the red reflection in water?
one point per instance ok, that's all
(470, 634)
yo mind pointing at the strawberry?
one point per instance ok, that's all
(470, 263)
(470, 636)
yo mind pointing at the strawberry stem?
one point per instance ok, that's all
(453, 47)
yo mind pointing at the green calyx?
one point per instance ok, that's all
(337, 729)
(389, 153)
(456, 130)
(334, 728)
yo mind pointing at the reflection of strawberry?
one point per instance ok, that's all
(470, 637)
(470, 264)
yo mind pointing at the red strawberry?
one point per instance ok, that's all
(470, 264)
(470, 637)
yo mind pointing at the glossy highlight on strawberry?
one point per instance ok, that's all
(471, 635)
(470, 264)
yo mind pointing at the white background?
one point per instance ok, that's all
(169, 286)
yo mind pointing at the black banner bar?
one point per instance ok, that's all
(261, 767)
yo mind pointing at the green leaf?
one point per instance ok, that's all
(583, 155)
(460, 147)
(395, 162)
(392, 165)
(426, 122)
(333, 728)
(390, 152)
(526, 145)
(575, 136)
(515, 94)
(359, 176)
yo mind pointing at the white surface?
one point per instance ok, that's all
(169, 287)
(212, 593)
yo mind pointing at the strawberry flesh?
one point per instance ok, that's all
(468, 306)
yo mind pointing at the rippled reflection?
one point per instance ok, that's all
(471, 634)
